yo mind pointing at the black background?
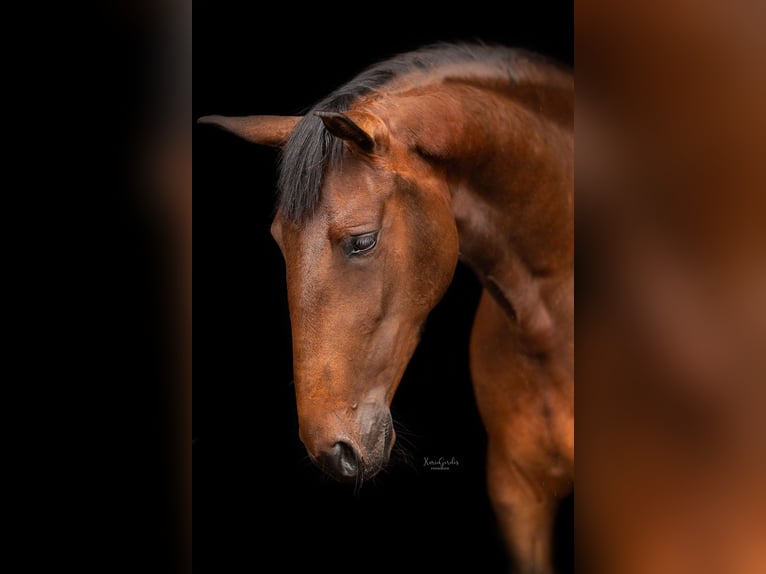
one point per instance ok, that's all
(257, 498)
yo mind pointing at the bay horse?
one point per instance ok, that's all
(449, 153)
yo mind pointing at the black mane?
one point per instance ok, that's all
(310, 148)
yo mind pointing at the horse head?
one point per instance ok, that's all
(368, 253)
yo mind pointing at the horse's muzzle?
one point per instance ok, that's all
(341, 462)
(346, 462)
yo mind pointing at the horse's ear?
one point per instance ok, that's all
(264, 130)
(363, 130)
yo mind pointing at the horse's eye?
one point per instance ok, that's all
(360, 244)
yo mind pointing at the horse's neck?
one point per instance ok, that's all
(516, 195)
(510, 177)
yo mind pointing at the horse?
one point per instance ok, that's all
(453, 153)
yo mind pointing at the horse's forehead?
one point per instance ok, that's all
(354, 172)
(354, 185)
(344, 204)
(352, 194)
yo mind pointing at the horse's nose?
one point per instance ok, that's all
(341, 461)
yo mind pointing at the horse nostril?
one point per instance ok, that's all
(341, 461)
(347, 461)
